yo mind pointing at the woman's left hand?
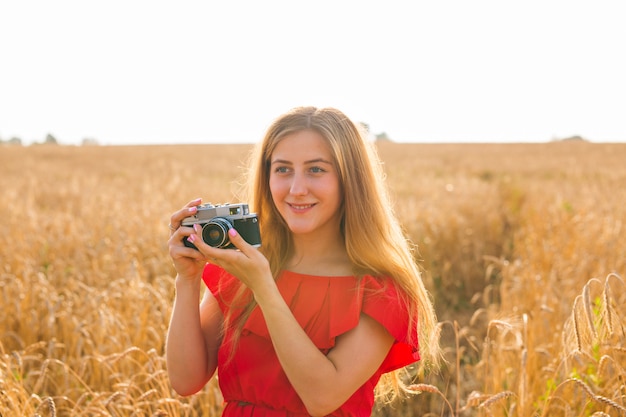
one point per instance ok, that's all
(247, 264)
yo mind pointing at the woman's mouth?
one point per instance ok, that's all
(300, 207)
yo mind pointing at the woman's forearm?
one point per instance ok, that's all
(188, 363)
(309, 370)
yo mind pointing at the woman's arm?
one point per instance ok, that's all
(194, 332)
(323, 382)
(193, 338)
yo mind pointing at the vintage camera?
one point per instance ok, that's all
(216, 220)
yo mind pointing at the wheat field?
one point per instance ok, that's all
(522, 247)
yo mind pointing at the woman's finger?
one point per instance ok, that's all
(209, 252)
(239, 242)
(188, 210)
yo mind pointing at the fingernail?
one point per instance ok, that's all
(192, 238)
(192, 209)
(196, 227)
(232, 231)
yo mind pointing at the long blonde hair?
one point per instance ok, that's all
(374, 239)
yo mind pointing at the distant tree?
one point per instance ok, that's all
(15, 141)
(575, 138)
(382, 137)
(570, 139)
(90, 142)
(51, 140)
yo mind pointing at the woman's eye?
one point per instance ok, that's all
(281, 170)
(317, 170)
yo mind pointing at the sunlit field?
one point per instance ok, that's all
(523, 248)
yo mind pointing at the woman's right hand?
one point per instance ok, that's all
(188, 262)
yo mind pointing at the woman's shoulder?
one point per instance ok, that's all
(342, 298)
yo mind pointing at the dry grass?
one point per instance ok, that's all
(522, 247)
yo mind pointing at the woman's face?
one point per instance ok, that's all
(305, 184)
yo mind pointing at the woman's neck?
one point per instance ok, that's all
(316, 256)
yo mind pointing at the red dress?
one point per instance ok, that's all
(252, 381)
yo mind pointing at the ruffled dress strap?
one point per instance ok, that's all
(385, 305)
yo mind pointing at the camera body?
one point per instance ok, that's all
(217, 220)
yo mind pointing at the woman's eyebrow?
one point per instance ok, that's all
(310, 161)
(281, 161)
(316, 160)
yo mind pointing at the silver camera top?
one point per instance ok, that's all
(208, 211)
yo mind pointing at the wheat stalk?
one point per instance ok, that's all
(417, 388)
(49, 403)
(597, 398)
(607, 306)
(474, 399)
(587, 304)
(495, 398)
(579, 344)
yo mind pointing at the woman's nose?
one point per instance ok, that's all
(298, 185)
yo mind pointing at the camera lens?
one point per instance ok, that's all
(215, 232)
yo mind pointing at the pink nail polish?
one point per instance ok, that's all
(192, 238)
(232, 232)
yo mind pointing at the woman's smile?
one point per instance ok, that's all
(300, 207)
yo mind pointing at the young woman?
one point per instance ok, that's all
(309, 322)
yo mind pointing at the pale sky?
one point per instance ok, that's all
(146, 72)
